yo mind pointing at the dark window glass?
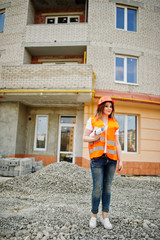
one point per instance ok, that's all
(119, 69)
(127, 132)
(2, 17)
(132, 133)
(42, 125)
(131, 70)
(74, 19)
(66, 157)
(51, 20)
(120, 120)
(132, 20)
(67, 134)
(120, 18)
(68, 119)
(62, 20)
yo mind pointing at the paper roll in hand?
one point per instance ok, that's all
(97, 131)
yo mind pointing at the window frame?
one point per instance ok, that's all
(35, 139)
(125, 57)
(125, 17)
(56, 19)
(126, 132)
(2, 12)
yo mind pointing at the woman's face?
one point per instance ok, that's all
(107, 108)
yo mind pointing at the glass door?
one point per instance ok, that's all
(66, 144)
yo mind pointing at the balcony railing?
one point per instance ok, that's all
(46, 77)
(50, 33)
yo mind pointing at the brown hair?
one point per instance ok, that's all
(100, 110)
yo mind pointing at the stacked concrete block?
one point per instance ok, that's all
(12, 163)
(3, 168)
(12, 167)
(25, 166)
(39, 165)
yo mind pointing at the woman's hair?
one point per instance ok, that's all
(100, 110)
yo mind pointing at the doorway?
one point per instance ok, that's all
(66, 142)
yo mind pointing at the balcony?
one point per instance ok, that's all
(52, 35)
(47, 85)
(60, 28)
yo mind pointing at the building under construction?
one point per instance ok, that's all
(57, 58)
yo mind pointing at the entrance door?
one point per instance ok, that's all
(66, 151)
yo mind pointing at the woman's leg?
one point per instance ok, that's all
(97, 177)
(109, 171)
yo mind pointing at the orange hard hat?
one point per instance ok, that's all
(104, 99)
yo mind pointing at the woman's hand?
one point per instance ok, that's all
(120, 165)
(96, 137)
(88, 138)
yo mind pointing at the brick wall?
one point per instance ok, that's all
(58, 33)
(101, 35)
(105, 39)
(14, 30)
(47, 76)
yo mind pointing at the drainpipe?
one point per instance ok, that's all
(46, 91)
(93, 92)
(84, 58)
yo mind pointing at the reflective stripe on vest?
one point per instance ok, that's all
(100, 139)
(111, 151)
(111, 143)
(96, 149)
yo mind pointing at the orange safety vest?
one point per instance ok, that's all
(96, 148)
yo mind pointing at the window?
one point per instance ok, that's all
(2, 17)
(50, 20)
(74, 19)
(66, 145)
(127, 132)
(126, 18)
(40, 141)
(61, 20)
(68, 119)
(126, 69)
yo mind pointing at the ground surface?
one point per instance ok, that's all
(55, 202)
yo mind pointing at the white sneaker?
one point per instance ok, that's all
(93, 222)
(106, 223)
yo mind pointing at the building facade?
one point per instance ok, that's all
(57, 58)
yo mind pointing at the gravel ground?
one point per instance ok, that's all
(55, 202)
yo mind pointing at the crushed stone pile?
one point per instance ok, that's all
(54, 204)
(60, 177)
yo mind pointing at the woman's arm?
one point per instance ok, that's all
(87, 138)
(120, 164)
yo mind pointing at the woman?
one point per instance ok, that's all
(105, 151)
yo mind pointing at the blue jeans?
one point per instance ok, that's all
(103, 170)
